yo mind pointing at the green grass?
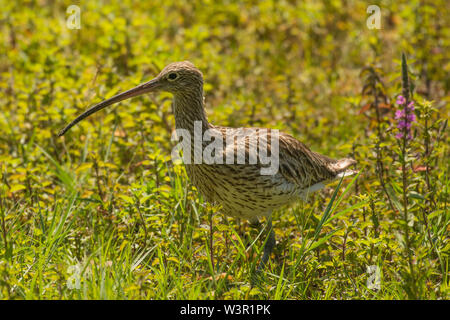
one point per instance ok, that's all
(103, 213)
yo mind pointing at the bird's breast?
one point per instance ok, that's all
(241, 190)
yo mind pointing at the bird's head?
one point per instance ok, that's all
(177, 78)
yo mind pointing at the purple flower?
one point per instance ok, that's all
(411, 118)
(405, 117)
(400, 136)
(400, 100)
(399, 114)
(404, 124)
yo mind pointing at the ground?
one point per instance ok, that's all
(104, 213)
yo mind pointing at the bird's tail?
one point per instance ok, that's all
(341, 168)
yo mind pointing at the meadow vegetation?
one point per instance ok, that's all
(103, 213)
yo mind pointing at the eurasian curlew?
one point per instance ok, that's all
(241, 189)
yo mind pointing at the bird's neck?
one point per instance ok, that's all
(189, 108)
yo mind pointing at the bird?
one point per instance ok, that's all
(242, 189)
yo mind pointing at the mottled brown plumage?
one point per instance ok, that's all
(240, 189)
(244, 192)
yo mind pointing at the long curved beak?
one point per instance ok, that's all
(149, 86)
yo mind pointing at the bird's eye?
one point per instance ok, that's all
(172, 76)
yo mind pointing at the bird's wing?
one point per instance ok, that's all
(300, 165)
(297, 163)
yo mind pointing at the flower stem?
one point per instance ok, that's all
(404, 144)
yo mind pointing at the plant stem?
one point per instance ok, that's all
(211, 233)
(405, 85)
(379, 167)
(4, 232)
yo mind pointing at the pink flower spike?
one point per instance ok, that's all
(411, 106)
(411, 117)
(400, 100)
(399, 114)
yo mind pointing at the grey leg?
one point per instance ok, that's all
(268, 247)
(254, 223)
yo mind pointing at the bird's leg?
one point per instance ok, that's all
(240, 230)
(255, 223)
(268, 247)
